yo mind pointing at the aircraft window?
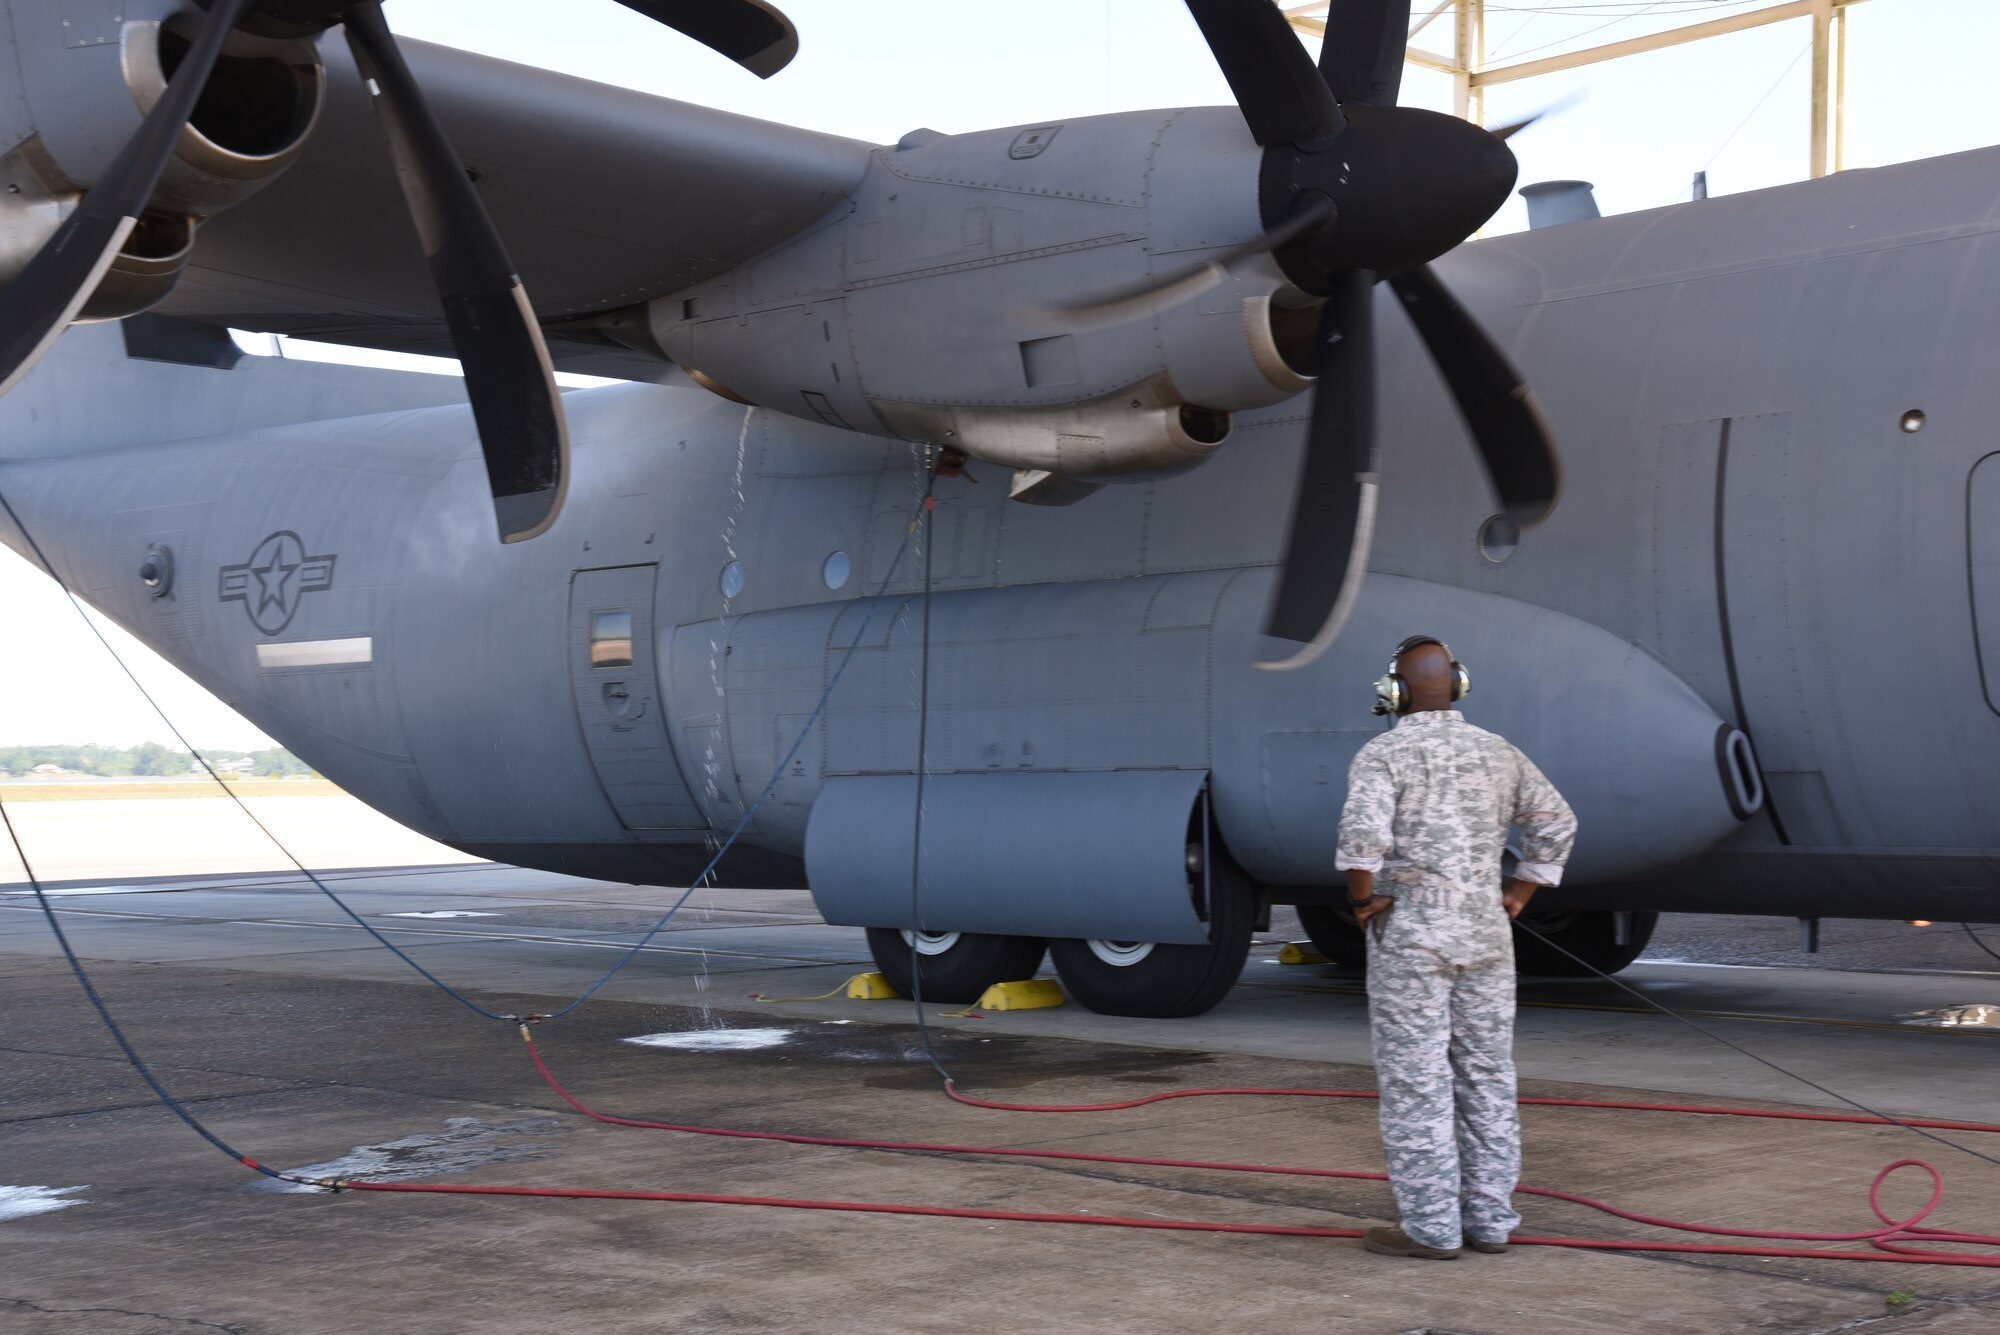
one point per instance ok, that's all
(732, 579)
(836, 570)
(610, 639)
(1912, 421)
(1499, 537)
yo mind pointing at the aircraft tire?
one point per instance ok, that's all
(1153, 980)
(1590, 934)
(957, 966)
(1334, 934)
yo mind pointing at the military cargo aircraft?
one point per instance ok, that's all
(1058, 488)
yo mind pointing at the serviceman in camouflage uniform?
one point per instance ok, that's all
(1428, 809)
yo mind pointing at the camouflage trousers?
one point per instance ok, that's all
(1441, 1013)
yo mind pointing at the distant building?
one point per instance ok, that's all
(48, 769)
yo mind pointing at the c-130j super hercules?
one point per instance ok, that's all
(1758, 644)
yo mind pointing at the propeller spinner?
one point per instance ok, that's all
(494, 332)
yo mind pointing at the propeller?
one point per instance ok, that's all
(494, 333)
(1354, 189)
(42, 300)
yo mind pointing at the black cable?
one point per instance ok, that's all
(923, 766)
(742, 824)
(49, 568)
(125, 1045)
(1765, 1061)
(1977, 942)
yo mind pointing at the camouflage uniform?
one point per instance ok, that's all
(1428, 809)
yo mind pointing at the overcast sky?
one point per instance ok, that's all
(1919, 85)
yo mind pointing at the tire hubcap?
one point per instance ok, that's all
(931, 943)
(1121, 954)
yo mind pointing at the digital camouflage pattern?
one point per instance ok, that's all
(1429, 806)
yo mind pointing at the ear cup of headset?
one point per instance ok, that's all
(1392, 693)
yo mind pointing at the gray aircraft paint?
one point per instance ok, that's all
(1747, 539)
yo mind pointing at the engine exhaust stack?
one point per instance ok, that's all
(86, 90)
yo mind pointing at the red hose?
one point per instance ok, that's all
(1703, 1109)
(1890, 1240)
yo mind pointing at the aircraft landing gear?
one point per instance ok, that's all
(1589, 934)
(956, 966)
(1334, 934)
(1153, 980)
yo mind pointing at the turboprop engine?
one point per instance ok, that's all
(139, 117)
(1090, 301)
(938, 305)
(89, 76)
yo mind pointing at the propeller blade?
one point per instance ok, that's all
(493, 330)
(1154, 295)
(752, 33)
(38, 305)
(1361, 56)
(1505, 132)
(1507, 426)
(1281, 94)
(1333, 512)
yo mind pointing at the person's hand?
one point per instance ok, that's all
(1376, 905)
(1516, 896)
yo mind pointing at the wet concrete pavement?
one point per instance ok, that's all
(306, 1044)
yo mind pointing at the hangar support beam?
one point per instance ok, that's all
(1471, 75)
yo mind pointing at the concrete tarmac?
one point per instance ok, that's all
(110, 838)
(309, 1046)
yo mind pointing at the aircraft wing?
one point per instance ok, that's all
(605, 198)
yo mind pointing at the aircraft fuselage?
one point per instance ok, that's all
(1749, 539)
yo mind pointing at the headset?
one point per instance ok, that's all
(1392, 693)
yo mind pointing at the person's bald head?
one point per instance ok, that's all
(1426, 669)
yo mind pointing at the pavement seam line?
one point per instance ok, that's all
(33, 1306)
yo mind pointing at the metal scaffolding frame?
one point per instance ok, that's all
(1471, 76)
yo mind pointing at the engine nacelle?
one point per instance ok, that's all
(89, 75)
(939, 304)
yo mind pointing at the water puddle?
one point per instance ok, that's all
(716, 1040)
(20, 1202)
(1978, 1015)
(444, 913)
(464, 1144)
(910, 1052)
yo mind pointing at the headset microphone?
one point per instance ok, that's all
(1392, 693)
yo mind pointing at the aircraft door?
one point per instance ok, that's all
(1768, 626)
(612, 669)
(1982, 518)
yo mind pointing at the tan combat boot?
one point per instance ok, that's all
(1395, 1242)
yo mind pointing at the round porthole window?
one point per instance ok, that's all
(732, 579)
(1912, 421)
(836, 570)
(1499, 538)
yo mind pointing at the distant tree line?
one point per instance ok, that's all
(145, 759)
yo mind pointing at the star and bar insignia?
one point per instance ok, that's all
(274, 579)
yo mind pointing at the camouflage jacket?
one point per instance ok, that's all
(1429, 804)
